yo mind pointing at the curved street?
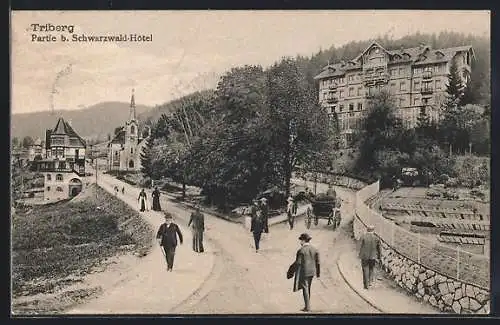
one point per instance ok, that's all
(241, 280)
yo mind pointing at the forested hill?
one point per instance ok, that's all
(480, 70)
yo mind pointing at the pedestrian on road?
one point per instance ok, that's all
(257, 224)
(197, 223)
(167, 236)
(123, 190)
(291, 211)
(156, 200)
(142, 199)
(265, 213)
(369, 253)
(306, 266)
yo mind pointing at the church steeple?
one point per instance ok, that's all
(132, 115)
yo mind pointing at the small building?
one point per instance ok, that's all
(64, 163)
(124, 150)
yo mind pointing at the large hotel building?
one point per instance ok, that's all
(416, 77)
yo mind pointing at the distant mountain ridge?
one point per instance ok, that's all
(96, 121)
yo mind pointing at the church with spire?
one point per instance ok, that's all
(124, 150)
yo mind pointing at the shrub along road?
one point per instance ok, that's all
(242, 281)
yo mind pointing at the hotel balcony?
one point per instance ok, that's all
(426, 90)
(427, 75)
(376, 78)
(333, 86)
(332, 100)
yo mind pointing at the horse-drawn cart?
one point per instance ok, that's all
(323, 207)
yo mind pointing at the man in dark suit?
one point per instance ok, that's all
(369, 253)
(258, 225)
(306, 267)
(167, 237)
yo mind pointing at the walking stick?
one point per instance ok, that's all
(164, 254)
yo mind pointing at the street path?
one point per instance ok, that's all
(149, 288)
(241, 280)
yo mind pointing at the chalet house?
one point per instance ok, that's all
(64, 162)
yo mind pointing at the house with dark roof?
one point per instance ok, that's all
(416, 78)
(124, 149)
(63, 164)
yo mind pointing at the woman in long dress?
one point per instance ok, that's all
(142, 199)
(156, 200)
(197, 224)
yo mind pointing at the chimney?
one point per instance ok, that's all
(402, 49)
(421, 45)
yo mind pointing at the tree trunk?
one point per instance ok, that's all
(183, 190)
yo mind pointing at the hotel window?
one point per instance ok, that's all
(131, 150)
(341, 108)
(425, 101)
(416, 101)
(351, 78)
(401, 102)
(333, 109)
(351, 91)
(393, 72)
(402, 86)
(342, 80)
(49, 177)
(62, 165)
(351, 107)
(59, 177)
(341, 94)
(359, 90)
(416, 85)
(48, 188)
(438, 84)
(59, 189)
(360, 106)
(401, 71)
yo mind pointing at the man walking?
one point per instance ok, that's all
(264, 208)
(197, 222)
(369, 253)
(306, 267)
(291, 211)
(257, 225)
(167, 237)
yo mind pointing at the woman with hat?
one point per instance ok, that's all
(156, 199)
(142, 200)
(265, 213)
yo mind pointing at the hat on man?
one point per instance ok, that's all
(370, 228)
(168, 215)
(263, 200)
(305, 237)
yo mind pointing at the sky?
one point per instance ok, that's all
(189, 49)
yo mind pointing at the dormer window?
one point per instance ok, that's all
(406, 56)
(439, 54)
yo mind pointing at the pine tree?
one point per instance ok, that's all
(468, 94)
(454, 87)
(146, 159)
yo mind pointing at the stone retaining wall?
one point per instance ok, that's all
(444, 293)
